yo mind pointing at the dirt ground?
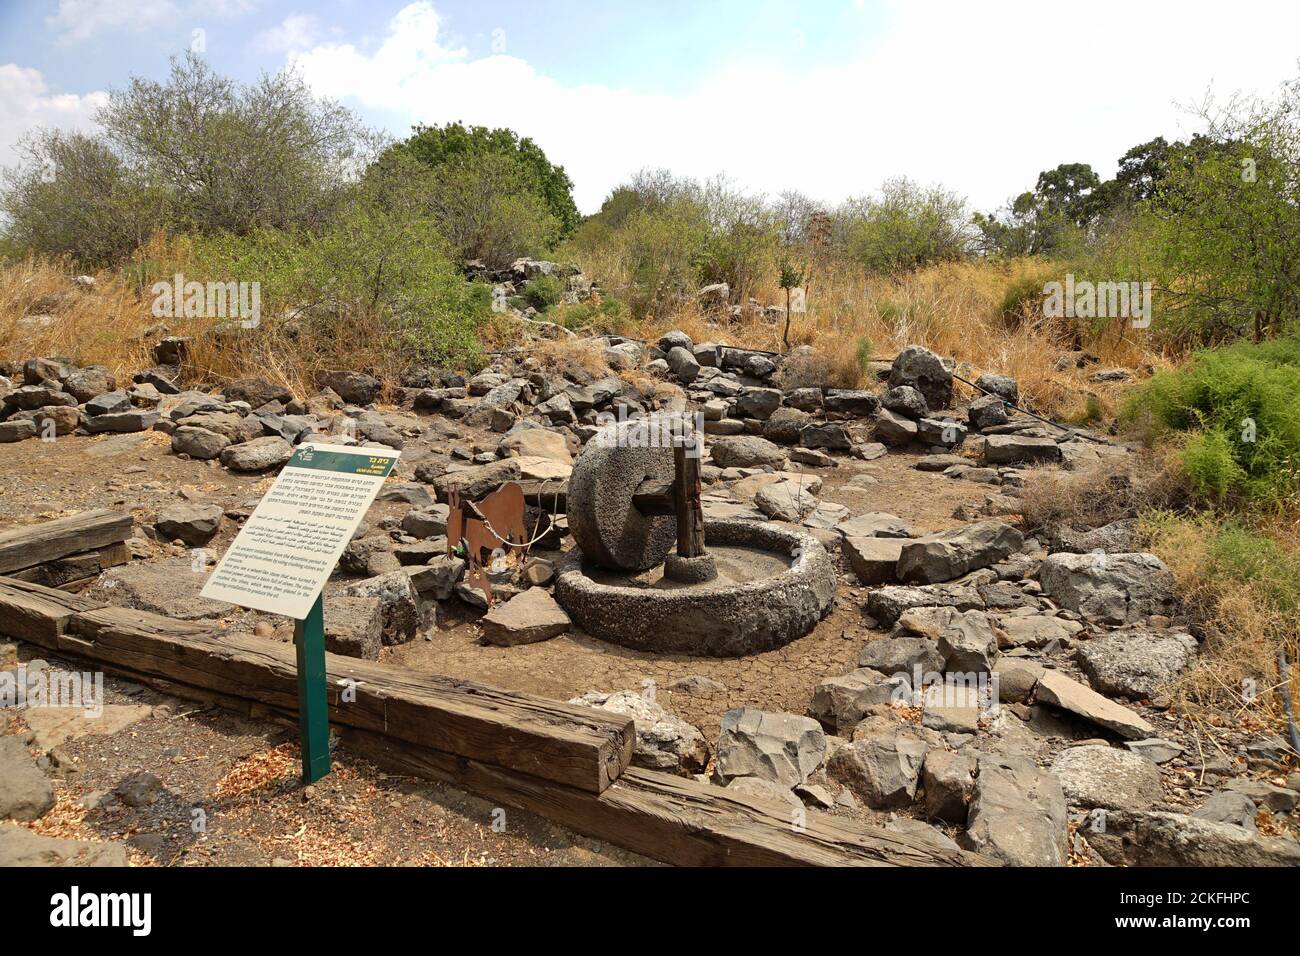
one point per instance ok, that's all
(242, 774)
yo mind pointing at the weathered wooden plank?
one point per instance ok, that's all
(76, 568)
(38, 614)
(672, 819)
(35, 544)
(578, 746)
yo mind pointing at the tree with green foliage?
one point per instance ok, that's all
(197, 153)
(377, 271)
(458, 145)
(76, 196)
(1220, 232)
(484, 207)
(907, 226)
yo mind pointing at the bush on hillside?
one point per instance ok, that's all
(463, 148)
(373, 274)
(486, 212)
(542, 292)
(907, 226)
(1238, 407)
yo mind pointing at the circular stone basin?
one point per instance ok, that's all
(773, 585)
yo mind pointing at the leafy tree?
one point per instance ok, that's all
(485, 209)
(197, 153)
(75, 196)
(906, 227)
(234, 157)
(1143, 168)
(1221, 232)
(1072, 192)
(460, 146)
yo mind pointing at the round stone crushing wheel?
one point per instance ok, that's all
(605, 523)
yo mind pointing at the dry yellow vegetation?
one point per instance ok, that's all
(953, 308)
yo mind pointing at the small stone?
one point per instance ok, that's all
(193, 524)
(697, 685)
(139, 789)
(260, 454)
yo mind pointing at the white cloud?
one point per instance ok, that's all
(296, 32)
(26, 103)
(78, 20)
(980, 97)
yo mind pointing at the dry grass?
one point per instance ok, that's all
(954, 309)
(112, 324)
(103, 325)
(1097, 496)
(567, 355)
(1236, 678)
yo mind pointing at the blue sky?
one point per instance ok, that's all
(829, 97)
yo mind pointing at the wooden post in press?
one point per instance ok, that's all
(686, 496)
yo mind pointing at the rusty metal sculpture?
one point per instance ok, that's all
(481, 528)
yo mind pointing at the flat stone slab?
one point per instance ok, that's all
(55, 725)
(874, 560)
(525, 619)
(874, 524)
(21, 847)
(1136, 664)
(1098, 776)
(1058, 690)
(950, 554)
(1019, 449)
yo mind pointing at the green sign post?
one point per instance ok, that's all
(313, 701)
(286, 551)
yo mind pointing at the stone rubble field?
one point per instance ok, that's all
(1066, 752)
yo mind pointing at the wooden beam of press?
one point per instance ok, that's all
(35, 544)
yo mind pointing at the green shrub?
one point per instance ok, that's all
(863, 353)
(1240, 406)
(661, 250)
(610, 317)
(373, 275)
(484, 208)
(1211, 465)
(907, 226)
(1023, 298)
(543, 291)
(467, 148)
(1239, 554)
